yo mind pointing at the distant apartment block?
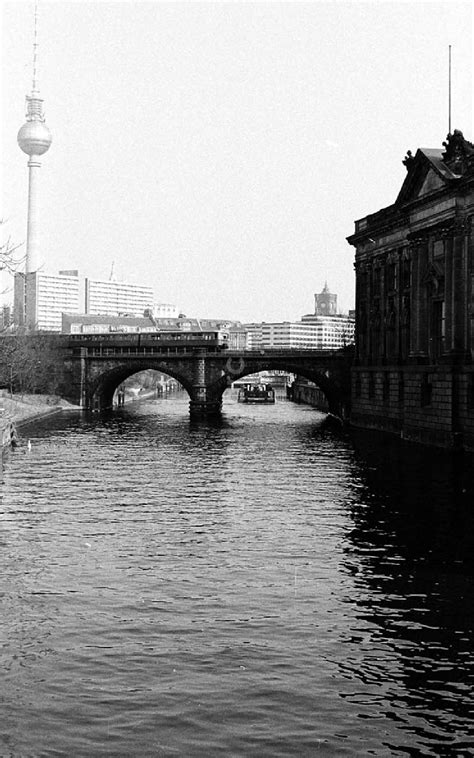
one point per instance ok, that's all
(46, 297)
(282, 335)
(324, 329)
(291, 334)
(117, 298)
(333, 332)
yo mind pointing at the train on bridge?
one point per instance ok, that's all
(168, 342)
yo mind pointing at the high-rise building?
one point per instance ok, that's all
(47, 297)
(117, 298)
(34, 138)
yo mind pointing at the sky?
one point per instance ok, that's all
(221, 152)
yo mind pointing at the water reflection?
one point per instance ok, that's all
(411, 555)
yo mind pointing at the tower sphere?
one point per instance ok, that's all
(34, 138)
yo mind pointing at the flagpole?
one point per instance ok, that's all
(449, 93)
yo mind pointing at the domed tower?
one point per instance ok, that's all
(325, 304)
(34, 138)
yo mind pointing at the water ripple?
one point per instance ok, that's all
(254, 587)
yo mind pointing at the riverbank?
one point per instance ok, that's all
(19, 409)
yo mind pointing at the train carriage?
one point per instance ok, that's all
(142, 343)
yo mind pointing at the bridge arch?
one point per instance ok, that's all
(334, 386)
(101, 388)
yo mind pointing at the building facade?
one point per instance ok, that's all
(117, 298)
(46, 296)
(414, 264)
(333, 332)
(291, 334)
(282, 335)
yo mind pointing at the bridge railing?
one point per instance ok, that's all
(110, 351)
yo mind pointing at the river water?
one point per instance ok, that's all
(257, 586)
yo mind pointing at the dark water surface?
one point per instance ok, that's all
(255, 587)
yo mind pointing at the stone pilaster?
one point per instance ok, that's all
(458, 310)
(419, 319)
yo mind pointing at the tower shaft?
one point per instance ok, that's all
(32, 234)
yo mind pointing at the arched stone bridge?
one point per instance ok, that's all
(91, 378)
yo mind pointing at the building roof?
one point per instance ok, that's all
(430, 172)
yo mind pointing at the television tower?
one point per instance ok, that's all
(34, 138)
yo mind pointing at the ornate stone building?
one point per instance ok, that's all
(413, 372)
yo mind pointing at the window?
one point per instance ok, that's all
(438, 328)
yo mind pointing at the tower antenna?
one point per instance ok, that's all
(449, 93)
(34, 89)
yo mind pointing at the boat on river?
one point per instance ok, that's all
(256, 393)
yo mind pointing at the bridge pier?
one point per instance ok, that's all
(200, 404)
(204, 408)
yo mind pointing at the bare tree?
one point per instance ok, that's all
(10, 259)
(29, 364)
